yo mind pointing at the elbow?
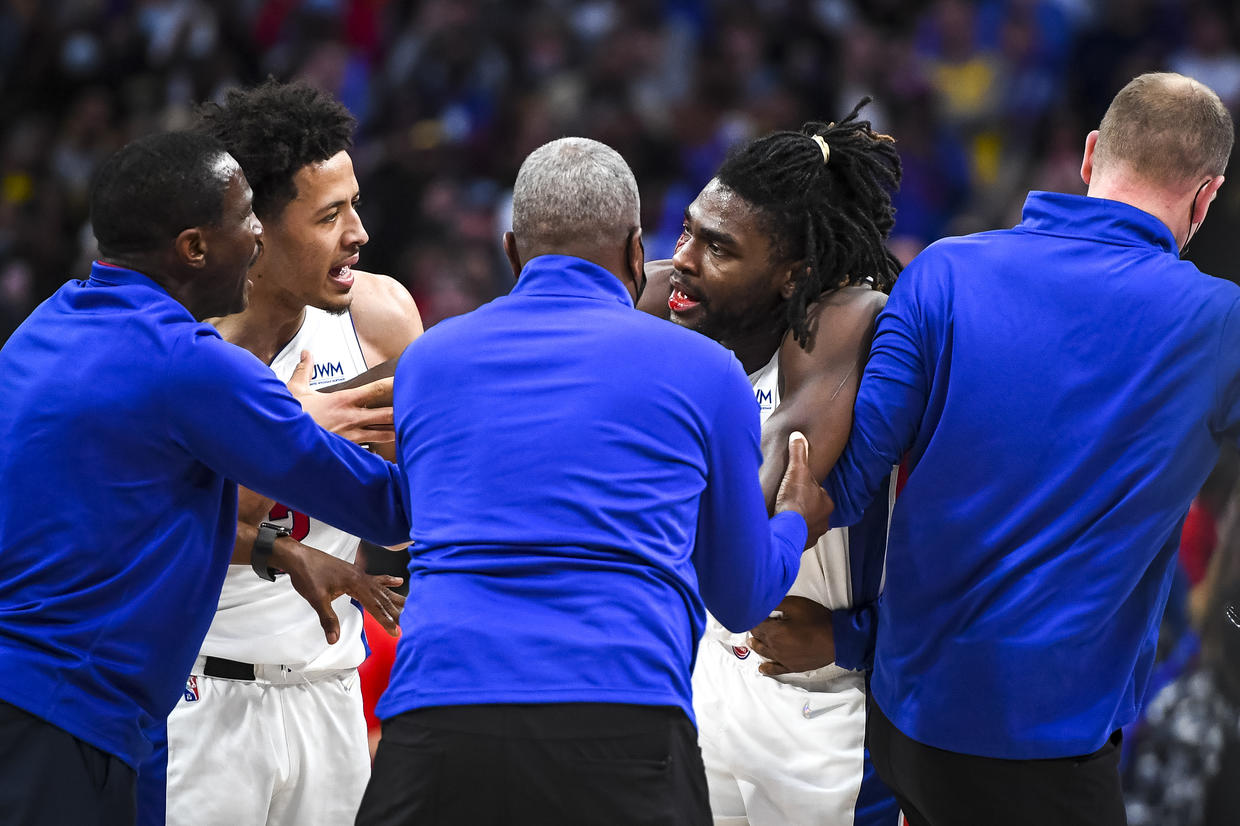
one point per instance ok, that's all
(738, 622)
(739, 614)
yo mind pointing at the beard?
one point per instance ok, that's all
(727, 326)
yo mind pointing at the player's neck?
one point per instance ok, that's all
(754, 348)
(264, 327)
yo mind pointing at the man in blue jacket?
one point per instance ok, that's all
(1060, 389)
(586, 479)
(125, 420)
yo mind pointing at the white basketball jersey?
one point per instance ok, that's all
(824, 574)
(268, 622)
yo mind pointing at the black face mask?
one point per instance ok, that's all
(639, 278)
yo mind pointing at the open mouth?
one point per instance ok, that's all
(342, 276)
(680, 301)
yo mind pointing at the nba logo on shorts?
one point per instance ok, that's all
(191, 689)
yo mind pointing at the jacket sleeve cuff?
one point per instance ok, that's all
(855, 631)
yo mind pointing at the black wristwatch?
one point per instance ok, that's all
(260, 555)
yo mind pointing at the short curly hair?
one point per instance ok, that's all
(275, 129)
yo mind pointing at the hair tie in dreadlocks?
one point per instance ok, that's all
(822, 144)
(834, 218)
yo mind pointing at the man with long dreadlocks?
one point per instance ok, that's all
(782, 260)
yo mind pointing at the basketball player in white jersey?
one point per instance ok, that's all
(270, 729)
(782, 260)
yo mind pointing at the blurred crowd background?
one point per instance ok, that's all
(986, 100)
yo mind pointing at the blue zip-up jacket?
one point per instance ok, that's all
(1060, 389)
(584, 477)
(123, 422)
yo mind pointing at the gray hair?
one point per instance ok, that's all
(574, 192)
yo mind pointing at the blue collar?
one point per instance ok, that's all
(113, 276)
(1098, 219)
(567, 275)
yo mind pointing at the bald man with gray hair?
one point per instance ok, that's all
(574, 191)
(585, 480)
(578, 197)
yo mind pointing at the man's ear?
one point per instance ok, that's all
(511, 253)
(1205, 198)
(1087, 160)
(791, 277)
(191, 247)
(635, 257)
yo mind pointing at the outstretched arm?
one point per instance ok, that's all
(360, 414)
(320, 577)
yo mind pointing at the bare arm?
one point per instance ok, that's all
(320, 577)
(385, 316)
(820, 385)
(817, 397)
(386, 319)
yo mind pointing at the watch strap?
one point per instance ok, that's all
(260, 554)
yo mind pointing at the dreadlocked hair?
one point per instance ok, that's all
(273, 130)
(834, 215)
